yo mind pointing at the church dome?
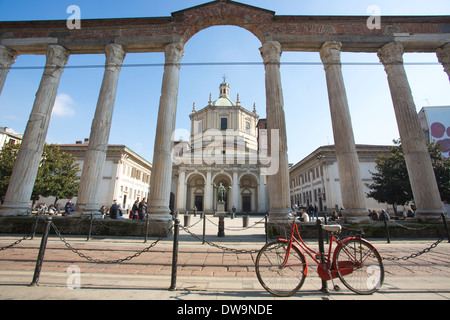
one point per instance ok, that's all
(224, 102)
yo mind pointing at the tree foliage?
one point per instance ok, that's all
(391, 183)
(57, 174)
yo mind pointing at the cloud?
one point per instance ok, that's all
(63, 106)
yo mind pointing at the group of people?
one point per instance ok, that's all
(375, 216)
(311, 213)
(137, 212)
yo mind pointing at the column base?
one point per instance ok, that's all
(159, 225)
(15, 209)
(279, 223)
(356, 216)
(429, 215)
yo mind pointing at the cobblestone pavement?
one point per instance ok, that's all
(204, 271)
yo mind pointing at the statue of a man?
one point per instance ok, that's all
(220, 192)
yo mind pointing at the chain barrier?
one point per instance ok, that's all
(90, 259)
(237, 229)
(16, 243)
(415, 255)
(212, 244)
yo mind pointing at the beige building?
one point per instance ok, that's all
(126, 175)
(8, 136)
(221, 148)
(315, 179)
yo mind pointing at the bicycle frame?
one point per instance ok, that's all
(327, 271)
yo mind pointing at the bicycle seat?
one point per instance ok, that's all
(332, 228)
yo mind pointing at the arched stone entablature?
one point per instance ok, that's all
(224, 12)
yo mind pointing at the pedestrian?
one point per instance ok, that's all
(334, 216)
(134, 210)
(195, 210)
(304, 216)
(375, 216)
(115, 212)
(142, 209)
(68, 208)
(311, 212)
(316, 212)
(103, 211)
(233, 212)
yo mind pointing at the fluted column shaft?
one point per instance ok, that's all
(162, 157)
(350, 180)
(95, 157)
(26, 166)
(278, 183)
(418, 161)
(7, 58)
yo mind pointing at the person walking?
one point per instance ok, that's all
(142, 209)
(115, 212)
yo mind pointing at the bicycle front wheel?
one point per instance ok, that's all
(280, 276)
(359, 266)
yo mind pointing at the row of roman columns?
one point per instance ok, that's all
(418, 161)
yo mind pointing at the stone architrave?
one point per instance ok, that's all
(418, 161)
(443, 54)
(353, 199)
(92, 174)
(158, 209)
(278, 183)
(17, 200)
(7, 58)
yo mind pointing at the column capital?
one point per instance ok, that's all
(7, 57)
(57, 57)
(443, 54)
(174, 52)
(391, 53)
(271, 52)
(330, 53)
(114, 55)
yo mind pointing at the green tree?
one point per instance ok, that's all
(57, 174)
(391, 183)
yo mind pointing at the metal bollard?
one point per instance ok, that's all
(245, 221)
(204, 227)
(40, 258)
(176, 231)
(35, 224)
(221, 229)
(388, 237)
(445, 226)
(322, 253)
(90, 227)
(266, 227)
(187, 220)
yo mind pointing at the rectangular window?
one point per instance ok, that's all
(223, 123)
(247, 127)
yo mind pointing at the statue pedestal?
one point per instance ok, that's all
(220, 212)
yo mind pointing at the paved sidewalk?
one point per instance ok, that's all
(204, 272)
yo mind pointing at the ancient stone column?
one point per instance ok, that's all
(17, 200)
(443, 54)
(7, 58)
(353, 199)
(158, 209)
(278, 183)
(418, 161)
(95, 157)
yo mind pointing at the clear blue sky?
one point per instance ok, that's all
(305, 94)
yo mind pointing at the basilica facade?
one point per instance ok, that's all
(222, 148)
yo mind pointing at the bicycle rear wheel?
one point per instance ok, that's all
(278, 279)
(359, 266)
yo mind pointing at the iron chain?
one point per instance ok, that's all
(90, 259)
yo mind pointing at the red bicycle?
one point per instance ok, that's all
(281, 266)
